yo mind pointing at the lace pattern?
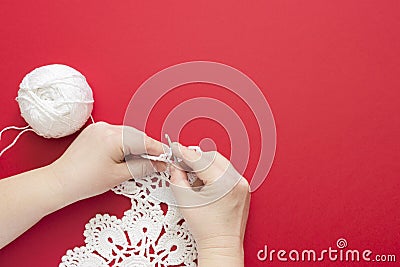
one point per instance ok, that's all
(146, 235)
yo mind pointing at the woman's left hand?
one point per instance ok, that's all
(95, 161)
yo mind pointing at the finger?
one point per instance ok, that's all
(178, 177)
(206, 164)
(193, 160)
(136, 142)
(154, 147)
(136, 167)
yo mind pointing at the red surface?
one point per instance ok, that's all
(330, 71)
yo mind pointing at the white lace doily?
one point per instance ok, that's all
(146, 236)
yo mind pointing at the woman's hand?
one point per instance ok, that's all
(95, 161)
(218, 220)
(93, 164)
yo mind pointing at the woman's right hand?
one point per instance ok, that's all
(218, 224)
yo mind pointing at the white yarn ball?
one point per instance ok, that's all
(55, 100)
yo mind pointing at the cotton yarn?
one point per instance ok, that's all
(55, 100)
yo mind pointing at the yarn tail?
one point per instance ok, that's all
(25, 129)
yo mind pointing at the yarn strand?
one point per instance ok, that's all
(15, 139)
(13, 128)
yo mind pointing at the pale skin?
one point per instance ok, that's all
(94, 163)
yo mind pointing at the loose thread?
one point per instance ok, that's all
(15, 140)
(13, 128)
(25, 129)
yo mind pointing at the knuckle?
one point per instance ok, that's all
(111, 143)
(110, 132)
(96, 127)
(243, 183)
(240, 192)
(99, 124)
(243, 186)
(103, 129)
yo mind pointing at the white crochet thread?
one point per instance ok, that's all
(145, 236)
(167, 158)
(55, 100)
(15, 139)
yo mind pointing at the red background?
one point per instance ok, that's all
(329, 70)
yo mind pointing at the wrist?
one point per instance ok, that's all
(56, 188)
